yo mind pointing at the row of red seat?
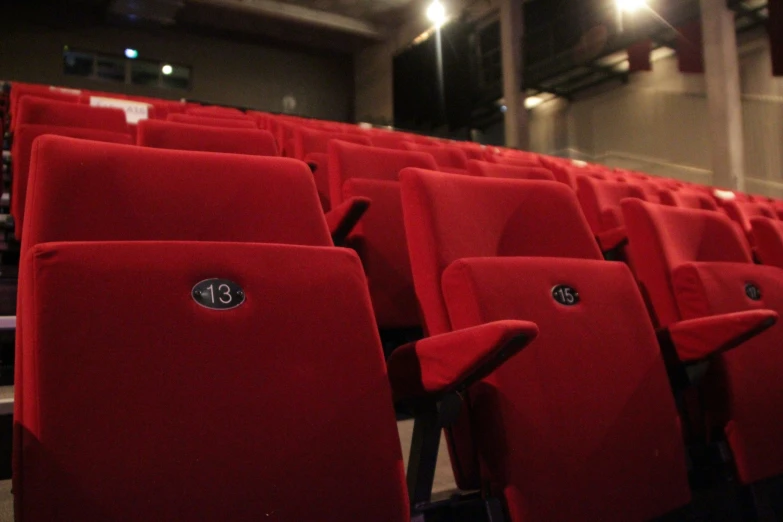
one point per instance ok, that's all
(582, 424)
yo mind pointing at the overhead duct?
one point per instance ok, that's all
(275, 10)
(161, 12)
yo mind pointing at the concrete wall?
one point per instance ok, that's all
(222, 71)
(658, 122)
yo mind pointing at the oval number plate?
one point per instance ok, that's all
(218, 294)
(565, 295)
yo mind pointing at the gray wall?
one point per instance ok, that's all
(658, 123)
(223, 71)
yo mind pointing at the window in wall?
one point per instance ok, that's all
(110, 68)
(77, 63)
(121, 69)
(144, 72)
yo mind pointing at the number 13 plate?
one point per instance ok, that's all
(218, 294)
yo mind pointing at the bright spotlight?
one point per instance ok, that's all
(631, 6)
(131, 53)
(436, 13)
(167, 69)
(531, 102)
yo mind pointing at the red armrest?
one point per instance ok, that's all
(454, 361)
(612, 239)
(697, 339)
(344, 217)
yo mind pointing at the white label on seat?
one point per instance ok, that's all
(134, 111)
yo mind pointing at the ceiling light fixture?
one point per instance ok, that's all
(436, 13)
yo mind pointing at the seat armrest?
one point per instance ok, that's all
(343, 218)
(452, 362)
(612, 240)
(695, 340)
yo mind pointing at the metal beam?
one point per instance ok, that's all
(298, 14)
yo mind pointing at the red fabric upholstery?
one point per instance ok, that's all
(498, 170)
(695, 264)
(441, 210)
(170, 419)
(217, 112)
(581, 425)
(747, 393)
(157, 194)
(145, 193)
(445, 157)
(742, 211)
(768, 238)
(436, 365)
(182, 136)
(358, 170)
(700, 338)
(22, 150)
(688, 199)
(600, 201)
(213, 121)
(307, 141)
(529, 160)
(667, 237)
(19, 90)
(64, 114)
(349, 160)
(380, 240)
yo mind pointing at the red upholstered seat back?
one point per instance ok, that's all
(213, 121)
(183, 136)
(308, 141)
(742, 211)
(600, 201)
(499, 170)
(453, 217)
(445, 157)
(163, 409)
(22, 150)
(358, 170)
(64, 114)
(662, 238)
(688, 199)
(142, 193)
(217, 112)
(768, 237)
(350, 160)
(20, 90)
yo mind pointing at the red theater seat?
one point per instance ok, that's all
(217, 112)
(498, 170)
(87, 191)
(447, 158)
(42, 111)
(582, 425)
(178, 397)
(600, 202)
(688, 199)
(309, 141)
(22, 154)
(742, 211)
(213, 121)
(358, 170)
(693, 264)
(768, 238)
(19, 90)
(183, 136)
